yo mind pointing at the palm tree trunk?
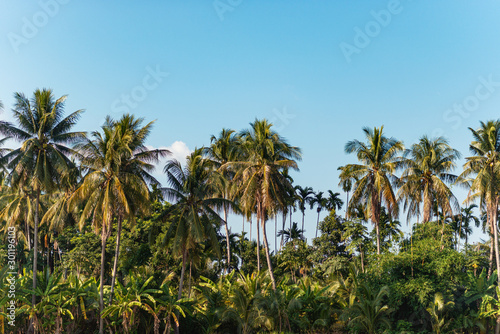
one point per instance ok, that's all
(259, 219)
(347, 205)
(268, 258)
(303, 216)
(227, 240)
(275, 233)
(378, 237)
(492, 246)
(101, 291)
(497, 255)
(284, 222)
(35, 247)
(117, 254)
(317, 225)
(250, 235)
(28, 236)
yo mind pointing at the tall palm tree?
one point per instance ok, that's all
(346, 184)
(43, 156)
(304, 197)
(117, 168)
(481, 173)
(320, 203)
(190, 190)
(428, 165)
(374, 175)
(222, 150)
(268, 154)
(136, 165)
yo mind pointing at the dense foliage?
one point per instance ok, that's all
(92, 242)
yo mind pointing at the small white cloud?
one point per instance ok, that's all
(179, 151)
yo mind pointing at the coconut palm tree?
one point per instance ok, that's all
(222, 150)
(374, 175)
(268, 155)
(304, 197)
(190, 190)
(43, 156)
(135, 168)
(320, 203)
(481, 173)
(427, 176)
(117, 168)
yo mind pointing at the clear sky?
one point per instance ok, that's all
(319, 70)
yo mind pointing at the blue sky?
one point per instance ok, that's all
(418, 68)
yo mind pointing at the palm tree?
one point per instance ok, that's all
(333, 201)
(268, 155)
(221, 151)
(115, 185)
(43, 156)
(374, 175)
(304, 197)
(481, 173)
(135, 168)
(190, 190)
(370, 310)
(320, 203)
(293, 233)
(428, 166)
(466, 217)
(346, 184)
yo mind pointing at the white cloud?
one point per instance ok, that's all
(179, 151)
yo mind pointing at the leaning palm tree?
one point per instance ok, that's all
(374, 176)
(304, 197)
(268, 154)
(43, 156)
(427, 176)
(482, 174)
